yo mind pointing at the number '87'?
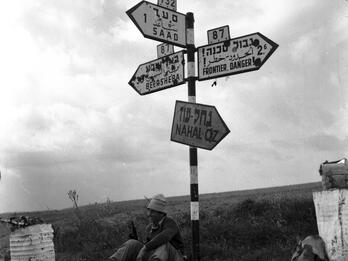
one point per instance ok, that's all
(218, 33)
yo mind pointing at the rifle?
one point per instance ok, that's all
(133, 230)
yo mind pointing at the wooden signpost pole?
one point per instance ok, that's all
(191, 84)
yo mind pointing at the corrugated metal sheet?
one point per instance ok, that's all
(331, 209)
(34, 243)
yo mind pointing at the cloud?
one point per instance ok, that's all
(59, 134)
(39, 159)
(110, 15)
(255, 151)
(70, 120)
(97, 32)
(326, 142)
(285, 144)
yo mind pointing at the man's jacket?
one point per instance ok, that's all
(166, 231)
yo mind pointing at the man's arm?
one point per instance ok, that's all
(169, 230)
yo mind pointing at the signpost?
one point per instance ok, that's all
(238, 55)
(159, 23)
(218, 34)
(159, 74)
(197, 125)
(164, 49)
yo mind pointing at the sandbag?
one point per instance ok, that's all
(334, 174)
(32, 243)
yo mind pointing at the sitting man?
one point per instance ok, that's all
(312, 248)
(163, 238)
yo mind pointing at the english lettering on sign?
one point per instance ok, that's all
(166, 35)
(238, 55)
(153, 84)
(165, 72)
(159, 23)
(197, 125)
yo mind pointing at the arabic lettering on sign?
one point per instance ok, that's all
(159, 23)
(239, 55)
(165, 25)
(162, 73)
(232, 56)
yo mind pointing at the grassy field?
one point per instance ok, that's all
(250, 225)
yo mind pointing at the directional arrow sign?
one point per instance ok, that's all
(159, 74)
(197, 125)
(238, 55)
(159, 23)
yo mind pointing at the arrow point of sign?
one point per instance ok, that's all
(227, 130)
(132, 9)
(273, 44)
(153, 76)
(132, 82)
(150, 23)
(130, 12)
(197, 133)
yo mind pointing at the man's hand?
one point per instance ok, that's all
(141, 254)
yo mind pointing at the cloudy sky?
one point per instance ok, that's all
(69, 119)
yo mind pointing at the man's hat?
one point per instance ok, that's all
(158, 203)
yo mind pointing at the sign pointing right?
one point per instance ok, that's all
(197, 125)
(238, 55)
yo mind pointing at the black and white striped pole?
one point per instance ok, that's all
(191, 84)
(178, 29)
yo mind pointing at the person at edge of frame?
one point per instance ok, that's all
(163, 239)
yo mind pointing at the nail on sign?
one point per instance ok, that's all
(238, 55)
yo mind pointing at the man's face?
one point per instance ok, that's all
(154, 216)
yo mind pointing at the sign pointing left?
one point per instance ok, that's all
(159, 74)
(159, 23)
